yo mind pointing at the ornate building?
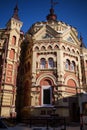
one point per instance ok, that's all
(52, 71)
(10, 39)
(51, 61)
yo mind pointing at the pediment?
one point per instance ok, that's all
(46, 32)
(70, 37)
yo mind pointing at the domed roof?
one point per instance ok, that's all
(52, 15)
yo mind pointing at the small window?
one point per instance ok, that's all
(36, 48)
(70, 39)
(56, 47)
(49, 47)
(43, 48)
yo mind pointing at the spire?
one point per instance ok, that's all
(15, 14)
(52, 15)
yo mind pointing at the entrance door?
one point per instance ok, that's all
(46, 96)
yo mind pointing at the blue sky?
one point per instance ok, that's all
(72, 12)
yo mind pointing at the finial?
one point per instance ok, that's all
(52, 16)
(15, 14)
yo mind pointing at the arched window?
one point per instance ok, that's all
(43, 48)
(13, 40)
(72, 65)
(50, 63)
(43, 63)
(67, 64)
(56, 47)
(36, 48)
(49, 47)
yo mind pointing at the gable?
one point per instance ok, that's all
(45, 33)
(15, 31)
(70, 37)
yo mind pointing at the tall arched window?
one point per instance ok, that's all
(12, 54)
(13, 40)
(50, 63)
(67, 64)
(72, 66)
(42, 63)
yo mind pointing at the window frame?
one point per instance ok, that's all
(42, 93)
(42, 66)
(50, 63)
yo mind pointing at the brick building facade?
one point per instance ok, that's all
(10, 39)
(52, 70)
(43, 70)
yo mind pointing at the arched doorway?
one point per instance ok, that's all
(46, 92)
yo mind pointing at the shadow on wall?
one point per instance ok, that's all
(67, 107)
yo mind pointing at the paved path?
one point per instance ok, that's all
(67, 128)
(73, 128)
(24, 127)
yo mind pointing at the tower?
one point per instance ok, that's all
(10, 59)
(50, 73)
